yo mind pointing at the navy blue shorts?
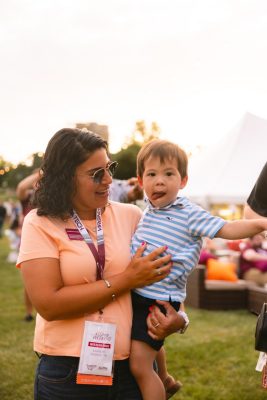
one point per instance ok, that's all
(140, 313)
(56, 380)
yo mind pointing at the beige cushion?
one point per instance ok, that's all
(225, 285)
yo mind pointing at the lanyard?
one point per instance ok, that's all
(99, 253)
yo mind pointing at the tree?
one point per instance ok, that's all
(142, 134)
(127, 161)
(126, 157)
(11, 175)
(5, 167)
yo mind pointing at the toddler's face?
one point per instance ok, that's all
(162, 181)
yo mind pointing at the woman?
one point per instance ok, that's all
(73, 277)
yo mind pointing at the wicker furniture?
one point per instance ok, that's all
(256, 297)
(215, 295)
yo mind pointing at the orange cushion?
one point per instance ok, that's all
(218, 270)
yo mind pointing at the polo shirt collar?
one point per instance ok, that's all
(180, 202)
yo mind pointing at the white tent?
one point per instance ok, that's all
(226, 172)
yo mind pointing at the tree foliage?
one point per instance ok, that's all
(143, 134)
(127, 161)
(126, 157)
(11, 175)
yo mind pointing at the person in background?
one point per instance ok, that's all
(13, 234)
(126, 191)
(24, 192)
(256, 205)
(3, 213)
(180, 225)
(76, 266)
(253, 261)
(13, 231)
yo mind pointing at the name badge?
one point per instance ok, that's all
(96, 360)
(73, 234)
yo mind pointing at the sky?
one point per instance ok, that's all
(193, 66)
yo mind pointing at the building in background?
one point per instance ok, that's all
(101, 130)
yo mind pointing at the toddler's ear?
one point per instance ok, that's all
(140, 181)
(184, 182)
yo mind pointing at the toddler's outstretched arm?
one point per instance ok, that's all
(242, 229)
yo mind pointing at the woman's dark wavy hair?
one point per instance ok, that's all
(67, 149)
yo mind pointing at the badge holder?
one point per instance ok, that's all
(96, 360)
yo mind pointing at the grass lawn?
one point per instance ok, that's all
(17, 360)
(215, 359)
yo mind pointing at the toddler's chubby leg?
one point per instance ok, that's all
(171, 385)
(141, 362)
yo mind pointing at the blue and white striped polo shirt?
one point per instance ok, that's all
(180, 226)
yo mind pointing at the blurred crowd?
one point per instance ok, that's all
(10, 215)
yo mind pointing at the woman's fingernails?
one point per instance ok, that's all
(143, 243)
(166, 247)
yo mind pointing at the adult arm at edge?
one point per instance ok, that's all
(251, 214)
(26, 185)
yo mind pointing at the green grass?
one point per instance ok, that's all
(17, 360)
(215, 359)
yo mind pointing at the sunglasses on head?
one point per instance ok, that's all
(98, 175)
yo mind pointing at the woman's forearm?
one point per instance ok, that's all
(75, 301)
(54, 301)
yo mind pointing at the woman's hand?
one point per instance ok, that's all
(143, 271)
(160, 325)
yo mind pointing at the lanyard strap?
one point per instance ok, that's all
(99, 253)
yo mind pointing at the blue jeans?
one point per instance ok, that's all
(56, 380)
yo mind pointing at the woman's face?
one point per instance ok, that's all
(90, 195)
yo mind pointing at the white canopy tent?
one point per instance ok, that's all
(226, 172)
